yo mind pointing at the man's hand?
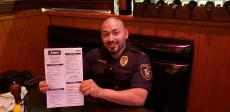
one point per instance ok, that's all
(43, 87)
(89, 87)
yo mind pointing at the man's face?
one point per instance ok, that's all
(113, 35)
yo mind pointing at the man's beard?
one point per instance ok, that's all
(117, 48)
(112, 47)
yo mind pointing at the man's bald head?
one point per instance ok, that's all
(113, 20)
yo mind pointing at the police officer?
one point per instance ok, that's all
(117, 72)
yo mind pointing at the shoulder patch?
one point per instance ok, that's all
(146, 71)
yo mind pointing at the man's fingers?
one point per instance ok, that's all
(83, 89)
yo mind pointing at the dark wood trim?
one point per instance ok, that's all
(82, 4)
(17, 5)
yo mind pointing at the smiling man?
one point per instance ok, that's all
(117, 72)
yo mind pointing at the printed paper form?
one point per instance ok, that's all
(64, 73)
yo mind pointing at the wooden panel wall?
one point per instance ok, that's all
(209, 89)
(210, 81)
(22, 39)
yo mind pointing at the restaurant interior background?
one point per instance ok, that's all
(24, 34)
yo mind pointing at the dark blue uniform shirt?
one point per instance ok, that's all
(131, 70)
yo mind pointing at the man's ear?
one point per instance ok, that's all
(126, 33)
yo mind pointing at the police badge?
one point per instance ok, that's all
(124, 60)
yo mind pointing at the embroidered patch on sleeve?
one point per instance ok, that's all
(146, 71)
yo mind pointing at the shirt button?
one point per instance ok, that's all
(116, 87)
(110, 67)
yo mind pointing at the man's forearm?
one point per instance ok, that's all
(131, 97)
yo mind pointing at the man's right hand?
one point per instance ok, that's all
(43, 87)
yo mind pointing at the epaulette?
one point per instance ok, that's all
(136, 50)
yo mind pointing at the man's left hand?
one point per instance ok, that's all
(89, 87)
